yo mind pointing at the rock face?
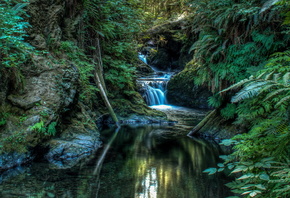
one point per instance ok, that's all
(164, 49)
(181, 91)
(43, 109)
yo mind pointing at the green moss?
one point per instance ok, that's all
(15, 142)
(125, 108)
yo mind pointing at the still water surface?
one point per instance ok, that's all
(140, 162)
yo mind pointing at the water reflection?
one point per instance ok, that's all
(140, 162)
(152, 163)
(149, 185)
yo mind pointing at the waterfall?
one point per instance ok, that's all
(153, 88)
(142, 57)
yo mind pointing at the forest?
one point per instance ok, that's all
(65, 64)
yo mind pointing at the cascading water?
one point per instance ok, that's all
(142, 57)
(154, 87)
(154, 90)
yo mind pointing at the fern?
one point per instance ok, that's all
(14, 50)
(51, 130)
(250, 90)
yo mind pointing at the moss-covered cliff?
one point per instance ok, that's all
(49, 99)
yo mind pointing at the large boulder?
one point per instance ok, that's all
(73, 146)
(182, 91)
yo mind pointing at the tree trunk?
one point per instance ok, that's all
(202, 123)
(101, 82)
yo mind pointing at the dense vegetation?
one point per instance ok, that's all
(240, 51)
(245, 43)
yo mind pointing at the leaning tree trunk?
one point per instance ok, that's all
(201, 124)
(101, 82)
(105, 98)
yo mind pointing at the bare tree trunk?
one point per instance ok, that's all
(99, 68)
(202, 123)
(105, 98)
(101, 83)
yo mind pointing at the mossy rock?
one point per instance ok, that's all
(182, 91)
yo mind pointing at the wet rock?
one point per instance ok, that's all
(10, 173)
(161, 59)
(10, 160)
(182, 91)
(72, 147)
(32, 120)
(23, 101)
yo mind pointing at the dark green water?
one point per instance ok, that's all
(141, 162)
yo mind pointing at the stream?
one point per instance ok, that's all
(141, 162)
(136, 160)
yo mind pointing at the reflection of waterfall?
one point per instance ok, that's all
(154, 87)
(149, 185)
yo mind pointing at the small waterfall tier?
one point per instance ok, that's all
(142, 57)
(153, 89)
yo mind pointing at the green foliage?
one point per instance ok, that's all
(14, 50)
(272, 84)
(78, 58)
(215, 101)
(160, 11)
(233, 40)
(229, 111)
(262, 154)
(115, 24)
(15, 142)
(4, 114)
(39, 127)
(42, 129)
(51, 130)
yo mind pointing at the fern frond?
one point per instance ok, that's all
(18, 7)
(248, 91)
(275, 93)
(286, 78)
(269, 87)
(276, 77)
(283, 100)
(268, 76)
(262, 74)
(237, 85)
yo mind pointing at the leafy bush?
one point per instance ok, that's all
(262, 154)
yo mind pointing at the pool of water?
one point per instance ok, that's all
(135, 162)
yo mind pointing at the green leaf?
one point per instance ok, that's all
(246, 176)
(247, 186)
(264, 176)
(260, 186)
(240, 169)
(228, 142)
(259, 165)
(210, 171)
(221, 165)
(253, 194)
